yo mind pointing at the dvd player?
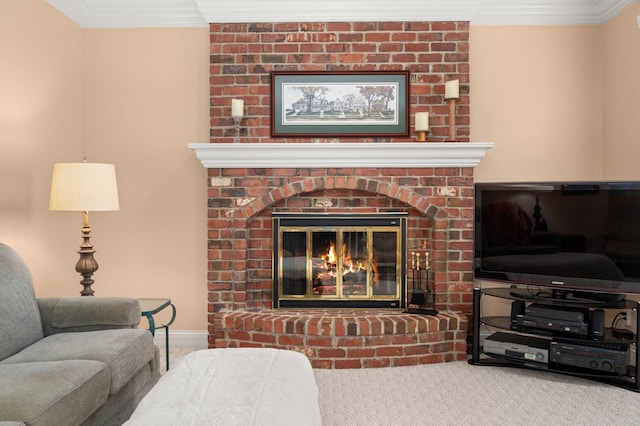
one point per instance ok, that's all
(526, 322)
(524, 348)
(570, 314)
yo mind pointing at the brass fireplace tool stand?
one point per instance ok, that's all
(420, 297)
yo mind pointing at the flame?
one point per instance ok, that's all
(328, 264)
(330, 257)
(349, 265)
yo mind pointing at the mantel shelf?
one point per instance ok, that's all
(387, 154)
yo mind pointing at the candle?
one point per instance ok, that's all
(422, 121)
(237, 107)
(452, 89)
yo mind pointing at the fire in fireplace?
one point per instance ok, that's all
(339, 260)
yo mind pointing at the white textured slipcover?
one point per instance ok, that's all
(234, 386)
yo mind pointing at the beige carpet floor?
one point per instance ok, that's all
(460, 394)
(457, 393)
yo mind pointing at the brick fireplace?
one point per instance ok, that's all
(437, 199)
(430, 183)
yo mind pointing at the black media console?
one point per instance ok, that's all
(586, 334)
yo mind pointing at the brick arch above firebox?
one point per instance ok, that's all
(404, 194)
(355, 195)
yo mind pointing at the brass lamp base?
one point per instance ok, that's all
(86, 265)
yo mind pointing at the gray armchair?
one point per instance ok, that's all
(69, 360)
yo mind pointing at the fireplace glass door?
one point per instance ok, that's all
(339, 261)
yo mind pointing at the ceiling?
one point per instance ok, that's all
(198, 13)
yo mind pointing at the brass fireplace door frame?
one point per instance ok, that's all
(334, 224)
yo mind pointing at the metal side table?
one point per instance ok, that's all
(152, 306)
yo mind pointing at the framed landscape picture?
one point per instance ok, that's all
(330, 104)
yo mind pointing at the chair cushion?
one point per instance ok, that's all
(52, 393)
(124, 351)
(20, 325)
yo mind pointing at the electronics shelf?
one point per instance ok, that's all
(569, 332)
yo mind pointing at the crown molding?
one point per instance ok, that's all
(548, 12)
(608, 9)
(339, 10)
(198, 13)
(353, 154)
(131, 13)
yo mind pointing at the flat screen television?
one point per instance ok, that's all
(583, 236)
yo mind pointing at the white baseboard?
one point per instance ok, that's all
(183, 338)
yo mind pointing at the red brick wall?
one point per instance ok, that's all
(439, 200)
(242, 57)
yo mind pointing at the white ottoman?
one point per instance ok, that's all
(233, 386)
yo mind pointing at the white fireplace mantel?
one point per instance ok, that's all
(386, 154)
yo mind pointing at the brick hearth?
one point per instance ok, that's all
(349, 338)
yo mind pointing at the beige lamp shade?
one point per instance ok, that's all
(84, 187)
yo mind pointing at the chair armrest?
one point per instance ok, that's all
(67, 314)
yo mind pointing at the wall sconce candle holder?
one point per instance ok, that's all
(451, 93)
(237, 119)
(237, 112)
(452, 119)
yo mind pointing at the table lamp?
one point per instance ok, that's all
(84, 187)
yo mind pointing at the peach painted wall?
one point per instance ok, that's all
(134, 98)
(41, 80)
(146, 97)
(621, 64)
(558, 101)
(536, 92)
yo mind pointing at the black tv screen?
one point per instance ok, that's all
(579, 235)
